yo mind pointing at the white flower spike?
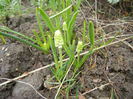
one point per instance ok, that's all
(58, 39)
(79, 47)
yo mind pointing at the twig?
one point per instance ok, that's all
(127, 44)
(102, 86)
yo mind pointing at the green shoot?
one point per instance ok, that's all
(111, 39)
(40, 26)
(77, 92)
(47, 20)
(24, 41)
(17, 33)
(71, 26)
(69, 12)
(91, 34)
(92, 38)
(60, 53)
(53, 51)
(84, 30)
(61, 12)
(112, 94)
(3, 39)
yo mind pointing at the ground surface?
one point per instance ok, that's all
(112, 65)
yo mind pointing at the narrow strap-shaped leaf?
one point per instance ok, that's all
(67, 50)
(69, 12)
(72, 52)
(19, 34)
(61, 12)
(40, 26)
(38, 39)
(3, 39)
(71, 26)
(91, 34)
(59, 4)
(72, 49)
(112, 39)
(24, 41)
(63, 6)
(53, 5)
(78, 4)
(53, 52)
(85, 57)
(47, 20)
(84, 30)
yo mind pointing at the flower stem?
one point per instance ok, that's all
(60, 53)
(78, 57)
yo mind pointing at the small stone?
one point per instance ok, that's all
(8, 54)
(6, 49)
(3, 48)
(1, 60)
(96, 80)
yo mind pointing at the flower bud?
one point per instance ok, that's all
(58, 39)
(64, 26)
(79, 47)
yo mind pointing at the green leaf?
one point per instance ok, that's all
(78, 4)
(19, 34)
(38, 38)
(53, 5)
(40, 26)
(84, 30)
(112, 39)
(85, 57)
(61, 12)
(3, 39)
(47, 20)
(69, 12)
(77, 92)
(59, 5)
(71, 26)
(91, 34)
(63, 6)
(53, 52)
(67, 50)
(24, 41)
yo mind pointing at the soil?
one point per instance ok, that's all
(113, 64)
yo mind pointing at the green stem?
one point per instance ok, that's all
(60, 52)
(78, 57)
(65, 38)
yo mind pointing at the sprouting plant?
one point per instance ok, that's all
(59, 38)
(40, 42)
